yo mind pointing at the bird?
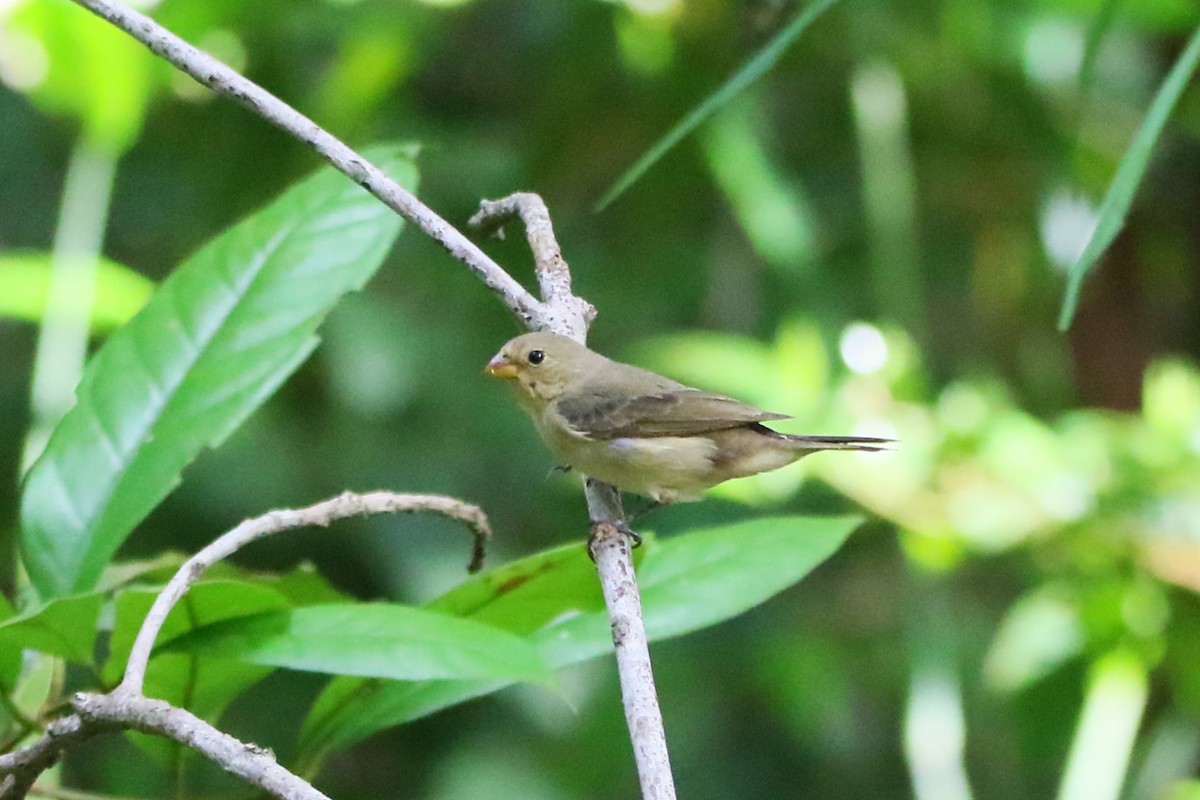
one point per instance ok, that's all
(642, 432)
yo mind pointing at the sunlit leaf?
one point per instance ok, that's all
(220, 335)
(687, 582)
(1040, 632)
(110, 102)
(385, 641)
(25, 283)
(752, 70)
(1119, 197)
(1171, 399)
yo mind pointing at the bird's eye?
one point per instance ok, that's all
(535, 357)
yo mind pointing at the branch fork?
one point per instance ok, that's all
(127, 708)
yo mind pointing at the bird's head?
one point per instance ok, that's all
(543, 365)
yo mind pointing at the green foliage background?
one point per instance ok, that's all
(1032, 550)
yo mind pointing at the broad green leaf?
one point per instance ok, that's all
(65, 626)
(216, 340)
(25, 284)
(687, 582)
(204, 686)
(378, 640)
(523, 596)
(208, 602)
(519, 597)
(694, 581)
(1116, 203)
(752, 70)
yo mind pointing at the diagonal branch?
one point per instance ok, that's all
(22, 767)
(227, 82)
(253, 764)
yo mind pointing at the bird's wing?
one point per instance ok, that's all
(682, 412)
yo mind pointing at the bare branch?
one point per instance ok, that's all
(21, 768)
(321, 514)
(251, 763)
(610, 549)
(225, 81)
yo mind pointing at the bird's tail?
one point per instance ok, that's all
(814, 443)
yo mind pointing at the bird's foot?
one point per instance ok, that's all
(601, 529)
(557, 468)
(649, 508)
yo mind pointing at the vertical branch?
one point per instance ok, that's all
(569, 315)
(610, 549)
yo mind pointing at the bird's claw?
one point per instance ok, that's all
(557, 468)
(620, 526)
(635, 537)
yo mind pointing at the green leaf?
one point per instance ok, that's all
(687, 583)
(206, 603)
(204, 686)
(10, 651)
(65, 626)
(378, 640)
(752, 70)
(1115, 206)
(694, 581)
(25, 284)
(523, 596)
(215, 341)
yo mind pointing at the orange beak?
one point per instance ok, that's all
(501, 367)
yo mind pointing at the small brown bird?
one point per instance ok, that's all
(641, 432)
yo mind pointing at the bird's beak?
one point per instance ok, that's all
(501, 367)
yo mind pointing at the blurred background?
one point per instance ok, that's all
(872, 238)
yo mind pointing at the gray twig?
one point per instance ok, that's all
(21, 768)
(253, 764)
(127, 708)
(227, 82)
